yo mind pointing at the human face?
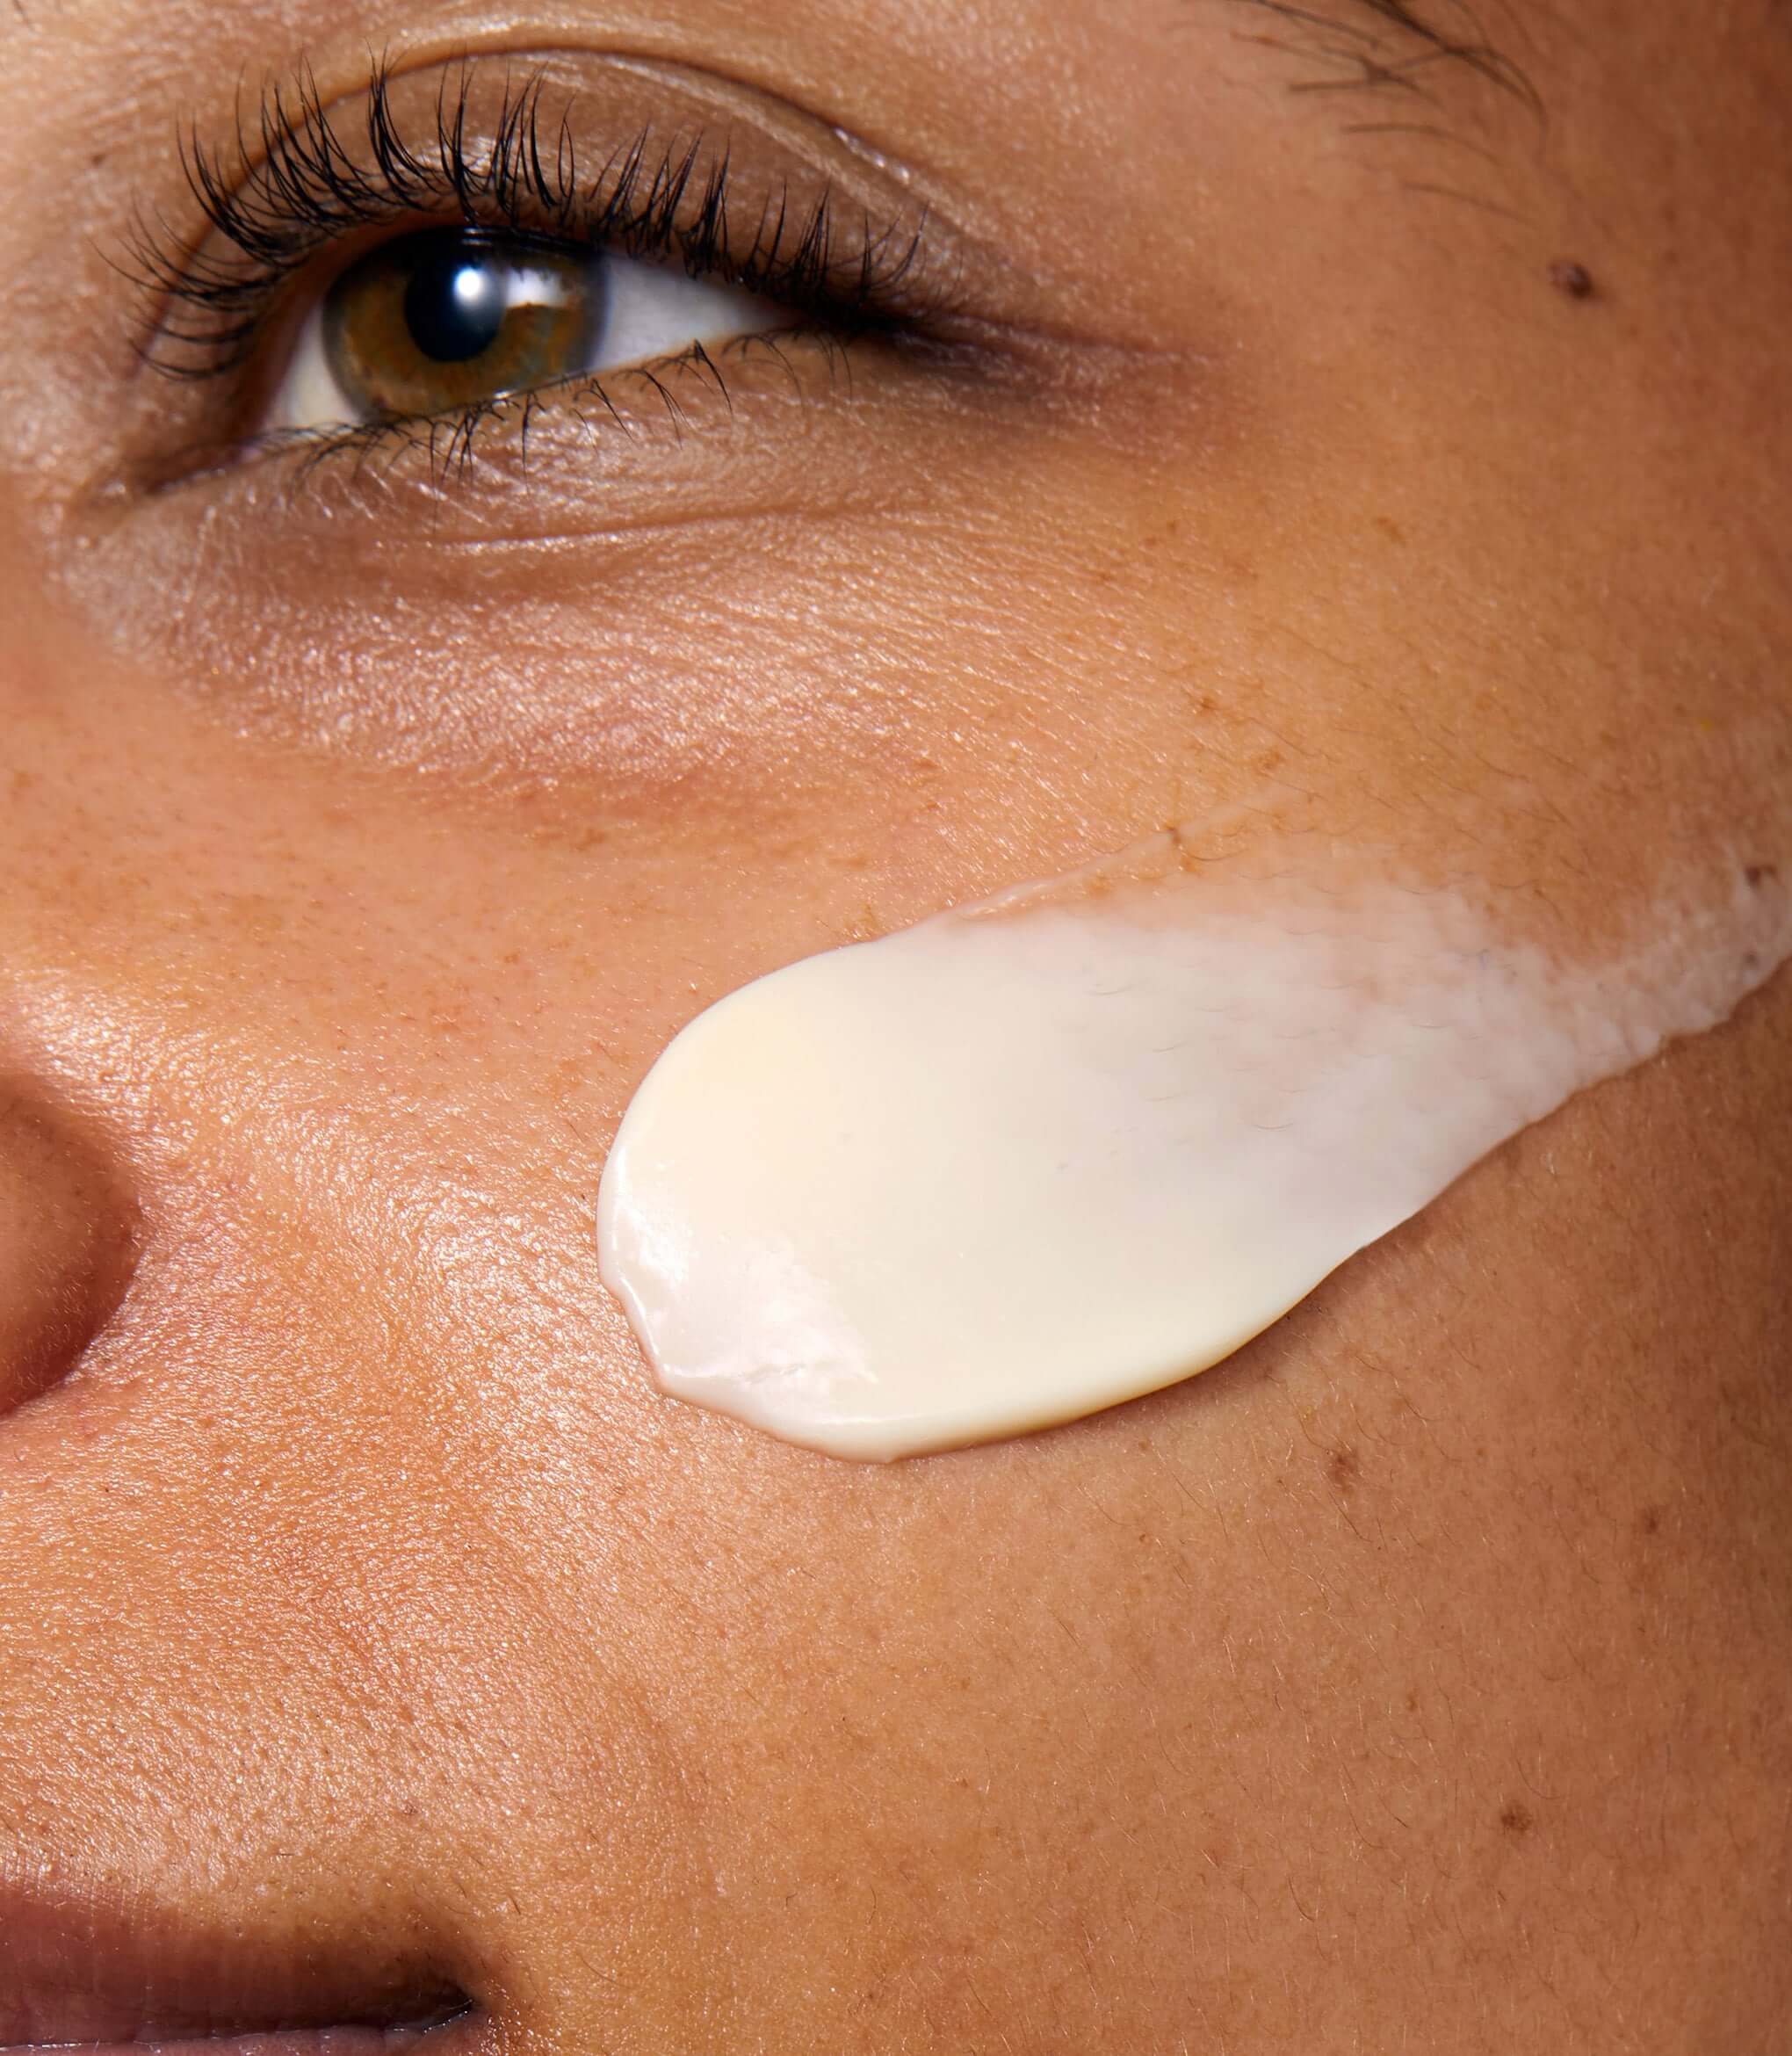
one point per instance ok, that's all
(374, 1639)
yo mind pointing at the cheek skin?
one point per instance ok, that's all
(447, 1603)
(1048, 1152)
(505, 1653)
(1414, 1679)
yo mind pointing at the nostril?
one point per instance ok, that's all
(66, 1243)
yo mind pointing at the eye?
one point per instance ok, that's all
(438, 322)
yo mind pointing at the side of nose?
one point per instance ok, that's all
(67, 1241)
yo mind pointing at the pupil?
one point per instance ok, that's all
(456, 301)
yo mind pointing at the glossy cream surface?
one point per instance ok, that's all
(1041, 1155)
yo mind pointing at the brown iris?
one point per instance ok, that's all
(441, 319)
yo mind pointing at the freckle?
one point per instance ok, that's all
(1392, 530)
(1649, 1521)
(1516, 1818)
(1411, 1702)
(1573, 279)
(1343, 1468)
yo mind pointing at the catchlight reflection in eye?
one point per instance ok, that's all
(438, 322)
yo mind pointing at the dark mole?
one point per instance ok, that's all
(1755, 876)
(1573, 279)
(1343, 1468)
(1516, 1818)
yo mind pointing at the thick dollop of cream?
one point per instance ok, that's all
(1041, 1155)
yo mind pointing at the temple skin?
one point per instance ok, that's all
(1414, 1680)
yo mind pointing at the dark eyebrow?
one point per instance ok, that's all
(1401, 48)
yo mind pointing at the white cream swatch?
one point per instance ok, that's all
(1041, 1155)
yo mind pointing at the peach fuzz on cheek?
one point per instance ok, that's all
(1040, 1155)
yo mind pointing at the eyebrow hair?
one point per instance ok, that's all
(1397, 47)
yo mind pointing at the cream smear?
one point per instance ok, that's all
(1043, 1154)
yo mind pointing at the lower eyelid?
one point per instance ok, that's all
(682, 441)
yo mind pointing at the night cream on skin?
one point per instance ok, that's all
(1043, 1154)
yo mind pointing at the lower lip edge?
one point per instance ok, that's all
(458, 2036)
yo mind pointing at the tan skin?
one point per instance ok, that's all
(1416, 1681)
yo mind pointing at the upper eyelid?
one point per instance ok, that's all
(967, 303)
(251, 170)
(428, 146)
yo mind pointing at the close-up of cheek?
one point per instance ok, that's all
(1111, 1126)
(450, 1607)
(893, 1077)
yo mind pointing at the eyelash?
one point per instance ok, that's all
(307, 191)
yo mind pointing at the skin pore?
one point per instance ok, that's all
(1413, 1681)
